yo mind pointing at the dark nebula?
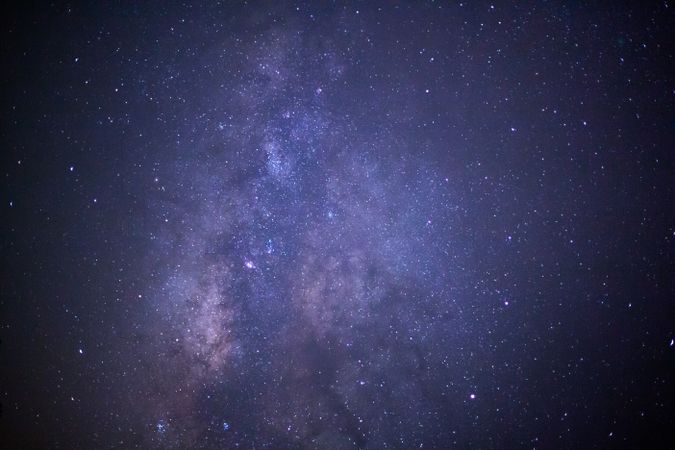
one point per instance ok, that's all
(337, 225)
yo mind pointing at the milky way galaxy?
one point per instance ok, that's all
(347, 225)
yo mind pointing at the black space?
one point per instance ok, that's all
(328, 225)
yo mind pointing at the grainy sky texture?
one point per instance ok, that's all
(337, 225)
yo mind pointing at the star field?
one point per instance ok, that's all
(325, 225)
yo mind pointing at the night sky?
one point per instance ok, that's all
(368, 225)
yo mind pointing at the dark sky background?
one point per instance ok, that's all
(387, 225)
